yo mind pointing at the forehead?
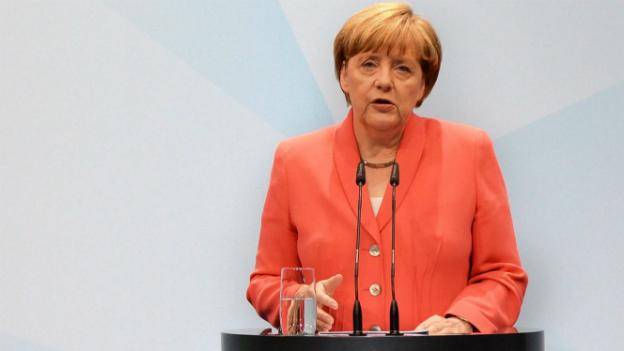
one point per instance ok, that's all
(393, 54)
(398, 42)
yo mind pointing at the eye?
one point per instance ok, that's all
(404, 69)
(369, 65)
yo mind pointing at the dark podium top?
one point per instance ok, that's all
(258, 340)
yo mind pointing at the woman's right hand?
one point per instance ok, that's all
(324, 291)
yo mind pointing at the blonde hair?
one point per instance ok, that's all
(390, 26)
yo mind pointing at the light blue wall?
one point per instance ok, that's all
(136, 141)
(564, 174)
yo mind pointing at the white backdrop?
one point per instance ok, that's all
(136, 140)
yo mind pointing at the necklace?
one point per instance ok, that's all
(378, 165)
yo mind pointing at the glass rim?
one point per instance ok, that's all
(297, 268)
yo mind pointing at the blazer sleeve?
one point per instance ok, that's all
(277, 245)
(492, 299)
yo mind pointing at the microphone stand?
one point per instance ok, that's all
(360, 180)
(394, 306)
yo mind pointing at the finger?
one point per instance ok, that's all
(428, 322)
(461, 326)
(441, 329)
(324, 321)
(305, 290)
(322, 299)
(437, 327)
(434, 330)
(324, 317)
(444, 331)
(332, 283)
(322, 327)
(448, 326)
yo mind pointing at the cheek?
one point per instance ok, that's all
(358, 91)
(411, 94)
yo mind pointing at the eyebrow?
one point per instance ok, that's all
(404, 61)
(370, 56)
(394, 60)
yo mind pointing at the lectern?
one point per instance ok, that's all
(258, 340)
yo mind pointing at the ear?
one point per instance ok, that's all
(344, 85)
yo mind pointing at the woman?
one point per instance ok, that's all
(458, 268)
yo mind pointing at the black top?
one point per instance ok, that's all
(258, 340)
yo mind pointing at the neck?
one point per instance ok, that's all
(375, 145)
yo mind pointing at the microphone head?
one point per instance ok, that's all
(394, 176)
(360, 174)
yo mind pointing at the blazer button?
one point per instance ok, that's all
(374, 250)
(375, 327)
(375, 289)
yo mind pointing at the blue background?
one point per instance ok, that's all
(136, 141)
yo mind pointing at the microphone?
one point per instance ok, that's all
(394, 306)
(360, 180)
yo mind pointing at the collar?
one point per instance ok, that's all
(347, 157)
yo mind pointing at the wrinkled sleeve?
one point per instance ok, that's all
(277, 246)
(492, 299)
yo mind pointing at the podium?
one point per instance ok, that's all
(258, 340)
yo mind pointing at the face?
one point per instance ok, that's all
(383, 88)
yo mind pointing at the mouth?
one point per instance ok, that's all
(382, 102)
(383, 105)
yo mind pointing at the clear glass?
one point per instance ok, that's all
(297, 301)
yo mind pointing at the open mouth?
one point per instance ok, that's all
(382, 102)
(383, 105)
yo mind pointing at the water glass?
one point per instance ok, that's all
(297, 301)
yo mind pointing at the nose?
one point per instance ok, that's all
(383, 80)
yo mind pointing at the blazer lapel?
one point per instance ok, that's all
(408, 157)
(346, 159)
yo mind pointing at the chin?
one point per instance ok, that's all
(383, 122)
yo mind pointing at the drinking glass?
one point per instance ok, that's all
(297, 301)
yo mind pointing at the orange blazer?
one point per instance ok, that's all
(456, 252)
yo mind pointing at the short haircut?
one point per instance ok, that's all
(390, 26)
